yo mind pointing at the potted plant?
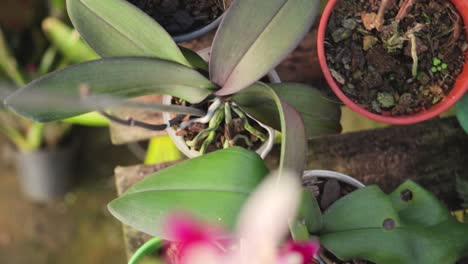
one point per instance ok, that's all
(190, 151)
(366, 224)
(395, 63)
(185, 20)
(45, 152)
(158, 66)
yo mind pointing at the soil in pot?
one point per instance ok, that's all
(183, 16)
(400, 63)
(240, 131)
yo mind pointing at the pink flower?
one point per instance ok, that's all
(305, 251)
(261, 228)
(185, 233)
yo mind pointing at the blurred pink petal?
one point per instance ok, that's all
(185, 233)
(305, 250)
(264, 220)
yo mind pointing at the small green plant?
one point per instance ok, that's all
(438, 65)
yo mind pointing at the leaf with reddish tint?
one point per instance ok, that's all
(254, 37)
(321, 116)
(294, 140)
(121, 77)
(117, 28)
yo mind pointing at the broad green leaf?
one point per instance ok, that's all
(310, 212)
(195, 60)
(67, 40)
(444, 243)
(209, 187)
(121, 77)
(321, 116)
(422, 231)
(416, 207)
(254, 37)
(462, 112)
(346, 214)
(117, 28)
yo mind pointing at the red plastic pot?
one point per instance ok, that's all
(459, 89)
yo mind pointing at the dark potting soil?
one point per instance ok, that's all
(182, 16)
(376, 67)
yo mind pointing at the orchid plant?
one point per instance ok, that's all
(139, 58)
(64, 48)
(255, 240)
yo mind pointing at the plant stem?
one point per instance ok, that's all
(379, 20)
(34, 136)
(404, 10)
(149, 247)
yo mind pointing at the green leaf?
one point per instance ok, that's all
(310, 212)
(67, 40)
(254, 37)
(195, 60)
(122, 77)
(420, 208)
(209, 187)
(346, 214)
(422, 231)
(294, 142)
(117, 28)
(462, 112)
(321, 116)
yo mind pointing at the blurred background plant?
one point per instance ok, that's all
(27, 52)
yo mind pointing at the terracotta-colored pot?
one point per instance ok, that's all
(459, 89)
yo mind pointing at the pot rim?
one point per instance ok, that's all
(199, 32)
(328, 174)
(457, 92)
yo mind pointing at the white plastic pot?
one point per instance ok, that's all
(333, 175)
(179, 141)
(326, 174)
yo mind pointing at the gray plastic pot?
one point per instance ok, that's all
(179, 141)
(199, 32)
(46, 175)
